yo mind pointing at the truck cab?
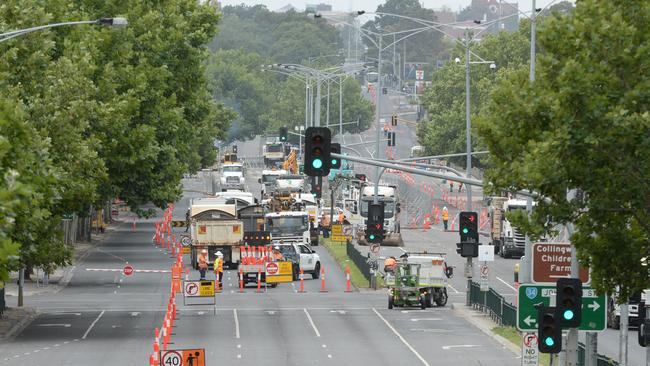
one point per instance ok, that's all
(388, 195)
(274, 153)
(506, 238)
(268, 180)
(232, 177)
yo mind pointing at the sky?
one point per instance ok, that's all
(368, 5)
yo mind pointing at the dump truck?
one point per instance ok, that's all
(508, 241)
(388, 195)
(214, 226)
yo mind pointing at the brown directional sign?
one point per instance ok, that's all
(552, 261)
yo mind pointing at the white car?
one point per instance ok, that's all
(306, 258)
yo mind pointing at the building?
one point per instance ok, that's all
(317, 8)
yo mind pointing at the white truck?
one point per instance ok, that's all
(508, 241)
(215, 227)
(614, 310)
(268, 179)
(388, 195)
(232, 177)
(292, 183)
(274, 153)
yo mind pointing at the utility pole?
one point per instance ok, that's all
(622, 345)
(572, 335)
(373, 278)
(469, 269)
(317, 107)
(341, 109)
(21, 284)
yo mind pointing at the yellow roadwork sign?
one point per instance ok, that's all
(279, 272)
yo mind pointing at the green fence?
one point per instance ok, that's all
(504, 313)
(358, 259)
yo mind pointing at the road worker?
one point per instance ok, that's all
(389, 264)
(218, 268)
(203, 263)
(341, 217)
(325, 225)
(445, 217)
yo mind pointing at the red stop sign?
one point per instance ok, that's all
(128, 270)
(272, 268)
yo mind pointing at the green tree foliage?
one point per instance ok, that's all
(443, 132)
(421, 47)
(118, 112)
(584, 124)
(289, 37)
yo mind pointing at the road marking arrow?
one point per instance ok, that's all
(594, 306)
(528, 320)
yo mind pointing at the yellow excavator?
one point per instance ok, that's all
(291, 163)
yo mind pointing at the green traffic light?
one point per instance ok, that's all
(333, 161)
(549, 341)
(317, 163)
(568, 314)
(372, 237)
(465, 230)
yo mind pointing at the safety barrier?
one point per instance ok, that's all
(504, 313)
(358, 259)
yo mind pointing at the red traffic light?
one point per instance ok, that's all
(471, 218)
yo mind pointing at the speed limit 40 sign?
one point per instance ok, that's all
(183, 357)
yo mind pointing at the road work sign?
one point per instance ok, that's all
(529, 351)
(552, 261)
(341, 232)
(594, 307)
(277, 272)
(179, 223)
(198, 288)
(183, 357)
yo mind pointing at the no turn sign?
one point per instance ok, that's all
(128, 270)
(272, 269)
(191, 288)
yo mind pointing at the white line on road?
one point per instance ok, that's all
(93, 324)
(422, 319)
(460, 346)
(424, 362)
(311, 321)
(54, 325)
(234, 313)
(452, 287)
(506, 283)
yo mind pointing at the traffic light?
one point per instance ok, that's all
(467, 250)
(361, 177)
(549, 332)
(335, 162)
(569, 302)
(284, 134)
(317, 186)
(391, 139)
(375, 227)
(468, 227)
(318, 141)
(234, 149)
(384, 90)
(393, 120)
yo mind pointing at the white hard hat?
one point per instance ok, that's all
(219, 254)
(276, 247)
(204, 251)
(444, 208)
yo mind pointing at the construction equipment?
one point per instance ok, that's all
(404, 290)
(291, 163)
(431, 281)
(215, 227)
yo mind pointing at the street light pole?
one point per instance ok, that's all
(341, 110)
(378, 117)
(317, 107)
(469, 268)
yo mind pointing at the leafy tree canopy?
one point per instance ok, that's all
(584, 124)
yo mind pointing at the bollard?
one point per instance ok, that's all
(302, 280)
(241, 280)
(347, 279)
(322, 280)
(133, 226)
(259, 280)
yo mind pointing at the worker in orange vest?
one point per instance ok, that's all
(203, 263)
(445, 217)
(341, 217)
(325, 225)
(277, 254)
(389, 264)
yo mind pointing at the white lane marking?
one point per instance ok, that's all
(452, 287)
(430, 330)
(239, 346)
(422, 319)
(200, 312)
(342, 312)
(424, 362)
(271, 312)
(135, 313)
(324, 346)
(329, 356)
(311, 321)
(54, 325)
(460, 346)
(506, 283)
(234, 313)
(58, 313)
(93, 324)
(238, 356)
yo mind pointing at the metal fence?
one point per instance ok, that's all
(504, 313)
(359, 260)
(3, 305)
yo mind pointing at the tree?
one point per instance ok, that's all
(583, 125)
(443, 132)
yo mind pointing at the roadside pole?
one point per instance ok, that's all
(572, 335)
(647, 348)
(622, 345)
(21, 283)
(469, 268)
(378, 93)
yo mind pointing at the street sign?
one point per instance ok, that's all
(128, 270)
(277, 272)
(183, 357)
(530, 353)
(552, 261)
(374, 248)
(199, 288)
(341, 232)
(486, 253)
(186, 241)
(594, 307)
(178, 223)
(485, 275)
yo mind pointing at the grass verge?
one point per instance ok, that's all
(514, 337)
(338, 251)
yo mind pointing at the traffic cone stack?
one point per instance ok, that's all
(322, 280)
(347, 279)
(302, 281)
